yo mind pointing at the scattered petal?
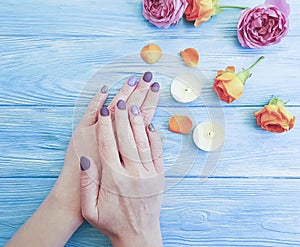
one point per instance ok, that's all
(151, 53)
(190, 57)
(180, 124)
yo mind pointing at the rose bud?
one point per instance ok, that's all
(263, 25)
(228, 85)
(274, 117)
(190, 57)
(151, 53)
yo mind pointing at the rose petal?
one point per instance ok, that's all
(151, 53)
(283, 5)
(190, 57)
(180, 124)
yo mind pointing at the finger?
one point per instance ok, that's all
(126, 143)
(150, 103)
(108, 150)
(89, 189)
(141, 138)
(124, 92)
(156, 148)
(140, 92)
(91, 115)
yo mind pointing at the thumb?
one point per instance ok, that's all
(89, 189)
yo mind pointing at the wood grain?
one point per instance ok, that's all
(218, 212)
(54, 57)
(33, 141)
(47, 60)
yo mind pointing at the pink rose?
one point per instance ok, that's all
(263, 25)
(163, 13)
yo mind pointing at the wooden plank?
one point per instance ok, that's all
(47, 60)
(33, 141)
(109, 19)
(218, 212)
(51, 72)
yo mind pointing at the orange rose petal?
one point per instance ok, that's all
(180, 124)
(234, 88)
(230, 69)
(226, 76)
(284, 112)
(220, 72)
(190, 57)
(292, 123)
(151, 53)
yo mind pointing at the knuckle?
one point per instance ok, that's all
(107, 142)
(137, 121)
(125, 91)
(143, 145)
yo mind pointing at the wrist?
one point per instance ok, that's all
(66, 204)
(67, 214)
(147, 238)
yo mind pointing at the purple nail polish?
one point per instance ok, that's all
(104, 89)
(84, 163)
(132, 81)
(104, 111)
(147, 76)
(121, 104)
(135, 110)
(155, 87)
(151, 127)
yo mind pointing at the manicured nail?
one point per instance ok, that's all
(151, 127)
(84, 163)
(155, 87)
(104, 89)
(135, 110)
(121, 104)
(132, 81)
(104, 111)
(147, 76)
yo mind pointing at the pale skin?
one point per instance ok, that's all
(128, 217)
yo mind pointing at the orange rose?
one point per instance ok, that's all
(199, 11)
(228, 85)
(274, 117)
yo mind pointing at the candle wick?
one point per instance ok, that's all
(211, 133)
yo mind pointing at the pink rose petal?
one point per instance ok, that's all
(283, 5)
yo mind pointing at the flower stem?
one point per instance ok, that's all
(257, 61)
(232, 7)
(245, 74)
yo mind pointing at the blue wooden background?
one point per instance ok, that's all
(49, 51)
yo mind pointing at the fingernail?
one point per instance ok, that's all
(155, 87)
(121, 104)
(151, 127)
(147, 76)
(104, 89)
(104, 111)
(132, 81)
(135, 110)
(84, 163)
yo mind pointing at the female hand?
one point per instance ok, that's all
(144, 94)
(61, 209)
(126, 206)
